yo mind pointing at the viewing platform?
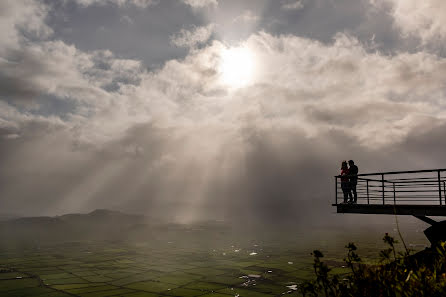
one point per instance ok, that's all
(418, 193)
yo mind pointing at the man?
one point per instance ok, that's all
(353, 172)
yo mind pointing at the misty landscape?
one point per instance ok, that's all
(190, 147)
(109, 253)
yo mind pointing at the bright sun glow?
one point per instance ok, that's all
(237, 67)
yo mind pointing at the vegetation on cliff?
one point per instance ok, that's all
(398, 274)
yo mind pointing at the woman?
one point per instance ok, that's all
(345, 183)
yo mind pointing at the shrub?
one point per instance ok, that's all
(398, 274)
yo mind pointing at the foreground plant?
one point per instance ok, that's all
(399, 274)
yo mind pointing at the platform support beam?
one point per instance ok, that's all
(426, 220)
(390, 209)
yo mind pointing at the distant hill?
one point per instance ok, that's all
(8, 216)
(102, 224)
(99, 224)
(102, 217)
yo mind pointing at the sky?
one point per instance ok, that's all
(214, 109)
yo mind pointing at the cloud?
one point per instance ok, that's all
(386, 105)
(126, 20)
(35, 72)
(247, 17)
(22, 18)
(139, 3)
(423, 19)
(193, 37)
(405, 95)
(201, 3)
(294, 5)
(54, 68)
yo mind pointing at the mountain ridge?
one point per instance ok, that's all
(98, 224)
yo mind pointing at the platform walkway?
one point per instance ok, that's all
(419, 193)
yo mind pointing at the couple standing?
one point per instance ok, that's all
(349, 180)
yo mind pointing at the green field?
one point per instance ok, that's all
(185, 262)
(118, 269)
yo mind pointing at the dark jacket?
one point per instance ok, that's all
(353, 171)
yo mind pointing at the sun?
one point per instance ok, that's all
(236, 67)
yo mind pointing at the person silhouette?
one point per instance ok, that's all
(353, 173)
(345, 182)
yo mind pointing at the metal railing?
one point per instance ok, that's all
(419, 187)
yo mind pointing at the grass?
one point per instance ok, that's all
(99, 269)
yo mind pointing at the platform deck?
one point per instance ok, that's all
(414, 210)
(418, 193)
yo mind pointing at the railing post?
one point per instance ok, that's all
(368, 199)
(394, 196)
(444, 190)
(382, 187)
(336, 189)
(439, 186)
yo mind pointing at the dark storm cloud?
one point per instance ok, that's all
(16, 88)
(20, 74)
